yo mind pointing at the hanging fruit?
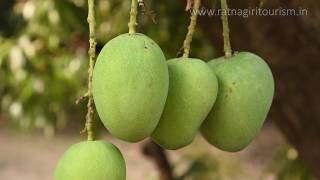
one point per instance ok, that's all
(130, 84)
(246, 89)
(192, 92)
(245, 95)
(89, 160)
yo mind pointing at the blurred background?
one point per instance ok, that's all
(43, 69)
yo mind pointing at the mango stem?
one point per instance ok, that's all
(226, 31)
(191, 28)
(92, 58)
(133, 17)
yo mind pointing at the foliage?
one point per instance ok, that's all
(288, 166)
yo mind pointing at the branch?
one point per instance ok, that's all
(155, 152)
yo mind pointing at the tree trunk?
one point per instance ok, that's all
(291, 46)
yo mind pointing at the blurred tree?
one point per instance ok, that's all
(288, 167)
(38, 67)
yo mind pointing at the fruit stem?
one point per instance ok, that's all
(133, 17)
(191, 28)
(226, 31)
(92, 57)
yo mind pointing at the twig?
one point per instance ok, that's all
(81, 98)
(191, 28)
(145, 9)
(189, 5)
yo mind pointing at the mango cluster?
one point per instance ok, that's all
(138, 94)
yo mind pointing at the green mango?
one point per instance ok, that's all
(130, 86)
(91, 160)
(192, 92)
(246, 89)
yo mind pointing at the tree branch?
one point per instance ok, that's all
(158, 155)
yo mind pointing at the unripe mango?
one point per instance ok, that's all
(91, 160)
(192, 93)
(130, 86)
(246, 89)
